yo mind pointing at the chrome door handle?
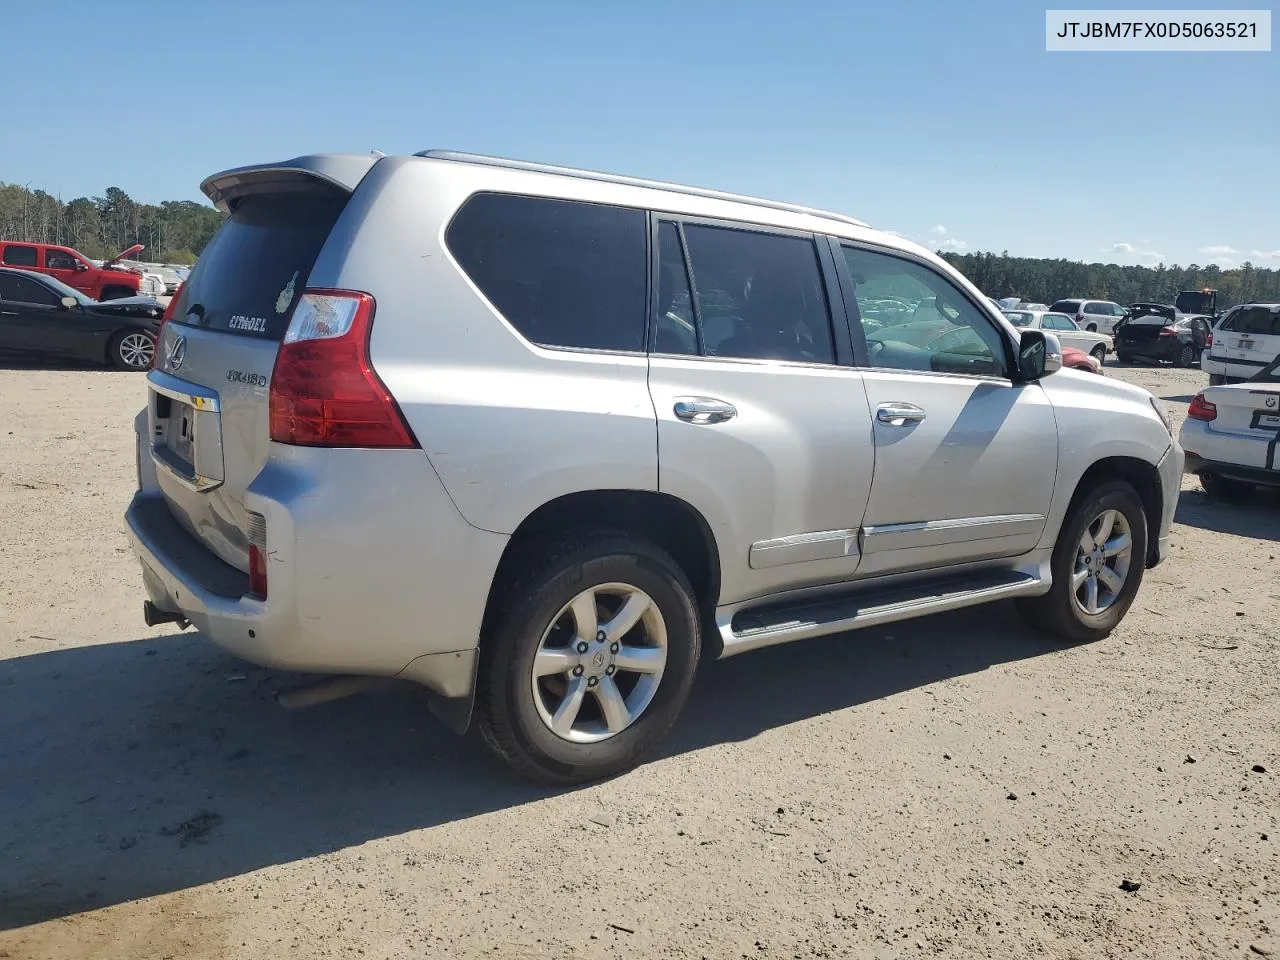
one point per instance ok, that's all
(704, 410)
(899, 414)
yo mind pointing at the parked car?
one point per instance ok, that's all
(1156, 331)
(539, 444)
(1064, 328)
(1231, 433)
(1098, 316)
(41, 315)
(1034, 307)
(1079, 360)
(74, 268)
(1244, 341)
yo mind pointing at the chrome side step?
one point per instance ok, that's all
(754, 627)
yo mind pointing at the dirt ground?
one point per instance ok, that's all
(954, 787)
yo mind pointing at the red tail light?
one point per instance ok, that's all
(165, 318)
(1079, 318)
(324, 391)
(1202, 409)
(257, 571)
(1208, 339)
(1168, 332)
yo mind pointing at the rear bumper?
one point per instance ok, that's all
(1236, 370)
(1152, 350)
(1234, 471)
(371, 570)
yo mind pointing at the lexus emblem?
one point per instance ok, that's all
(175, 353)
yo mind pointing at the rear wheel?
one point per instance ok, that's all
(1092, 328)
(131, 350)
(1124, 357)
(1186, 356)
(587, 658)
(1220, 488)
(1099, 353)
(1097, 566)
(1216, 379)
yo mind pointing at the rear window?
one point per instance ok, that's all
(1066, 306)
(257, 264)
(1259, 321)
(1019, 318)
(16, 256)
(1151, 320)
(563, 273)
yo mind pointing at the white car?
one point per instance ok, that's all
(1097, 345)
(1246, 339)
(1096, 315)
(1231, 434)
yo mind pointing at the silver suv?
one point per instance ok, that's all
(542, 440)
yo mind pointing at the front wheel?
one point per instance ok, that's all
(1097, 566)
(131, 350)
(587, 658)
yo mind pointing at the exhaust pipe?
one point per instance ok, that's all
(322, 691)
(154, 616)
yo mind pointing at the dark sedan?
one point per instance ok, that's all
(1157, 331)
(42, 315)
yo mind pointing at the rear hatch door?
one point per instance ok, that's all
(209, 403)
(1144, 327)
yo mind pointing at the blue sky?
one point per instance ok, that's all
(944, 121)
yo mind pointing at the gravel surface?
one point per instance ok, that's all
(952, 787)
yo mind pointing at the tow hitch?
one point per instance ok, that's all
(154, 616)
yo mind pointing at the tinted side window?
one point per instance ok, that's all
(759, 295)
(1258, 321)
(16, 256)
(563, 273)
(8, 286)
(1066, 306)
(933, 326)
(59, 260)
(26, 290)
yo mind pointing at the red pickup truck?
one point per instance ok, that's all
(74, 268)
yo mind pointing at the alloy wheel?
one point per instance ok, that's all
(599, 663)
(136, 350)
(1103, 558)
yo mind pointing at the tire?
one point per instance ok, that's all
(1124, 358)
(1092, 328)
(1220, 488)
(1062, 613)
(131, 350)
(1186, 357)
(1216, 379)
(1099, 353)
(538, 610)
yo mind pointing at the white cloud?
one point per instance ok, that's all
(1217, 249)
(938, 231)
(954, 244)
(1130, 250)
(1226, 263)
(1266, 254)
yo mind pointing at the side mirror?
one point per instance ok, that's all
(70, 303)
(1039, 355)
(81, 266)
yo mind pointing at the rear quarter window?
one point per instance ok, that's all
(563, 273)
(1066, 306)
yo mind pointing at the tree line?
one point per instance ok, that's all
(1044, 281)
(175, 231)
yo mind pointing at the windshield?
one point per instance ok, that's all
(1020, 318)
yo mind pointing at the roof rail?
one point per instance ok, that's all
(623, 180)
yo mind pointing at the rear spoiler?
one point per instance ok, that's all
(341, 172)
